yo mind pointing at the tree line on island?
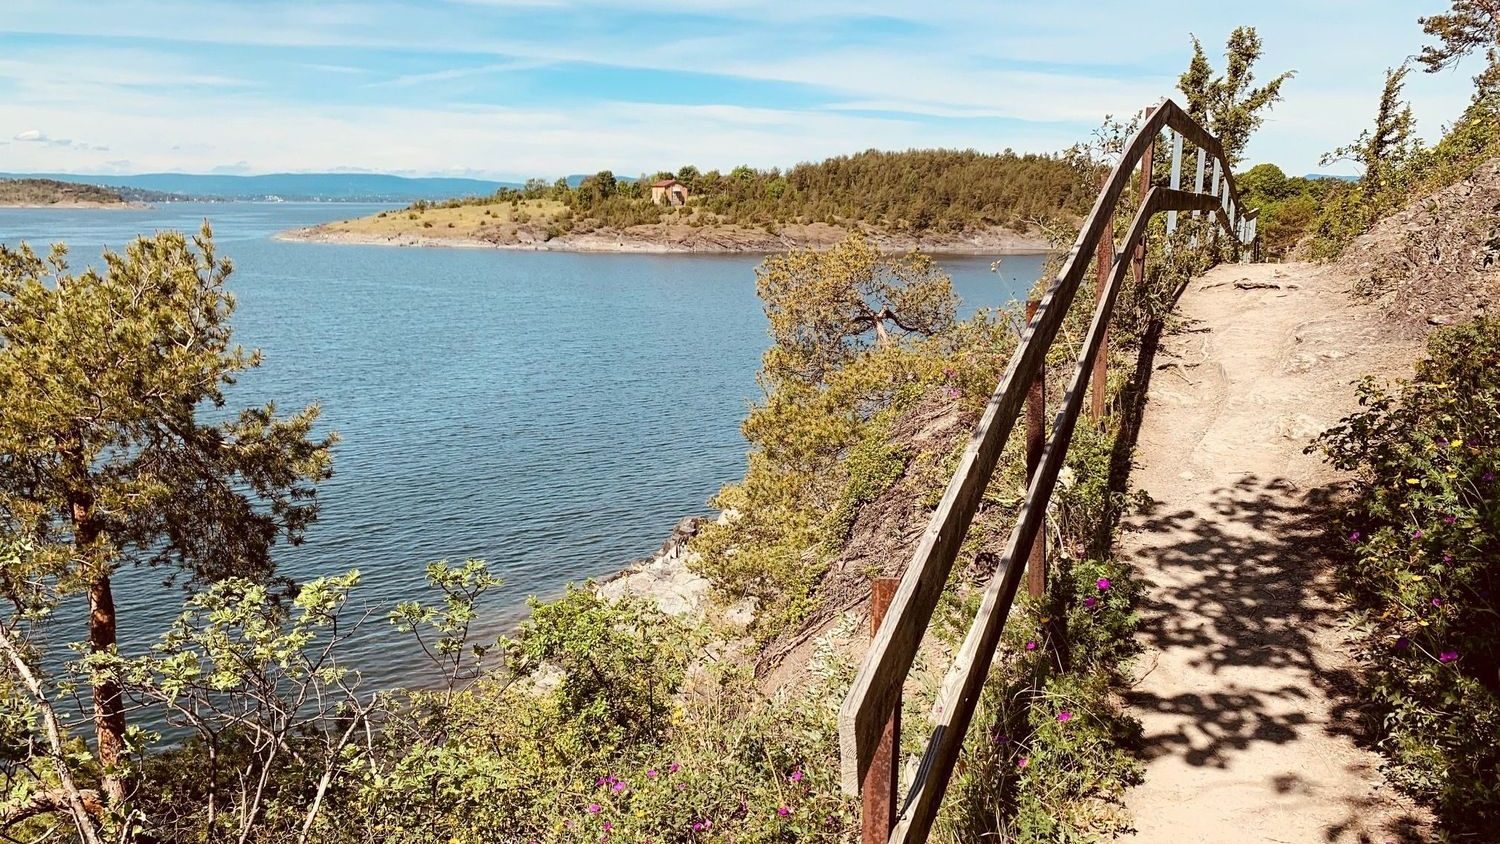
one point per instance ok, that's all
(912, 191)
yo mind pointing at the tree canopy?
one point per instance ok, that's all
(105, 457)
(1229, 104)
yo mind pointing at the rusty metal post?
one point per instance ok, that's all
(1036, 440)
(878, 791)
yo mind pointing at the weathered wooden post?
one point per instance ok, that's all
(878, 791)
(1036, 440)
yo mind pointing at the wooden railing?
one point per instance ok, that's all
(876, 693)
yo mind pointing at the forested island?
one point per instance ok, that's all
(940, 200)
(28, 193)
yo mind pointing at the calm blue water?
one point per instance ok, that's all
(552, 413)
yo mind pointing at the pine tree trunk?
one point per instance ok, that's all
(109, 708)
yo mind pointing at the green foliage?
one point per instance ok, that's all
(912, 191)
(1050, 753)
(446, 639)
(1424, 537)
(859, 336)
(1470, 26)
(52, 192)
(594, 731)
(106, 459)
(1290, 206)
(1392, 142)
(1227, 104)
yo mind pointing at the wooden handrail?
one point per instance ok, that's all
(877, 686)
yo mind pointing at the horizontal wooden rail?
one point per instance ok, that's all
(877, 686)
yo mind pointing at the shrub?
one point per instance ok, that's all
(1424, 570)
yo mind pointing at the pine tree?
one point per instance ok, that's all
(1382, 150)
(104, 459)
(1231, 108)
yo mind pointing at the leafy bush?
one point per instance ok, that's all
(1425, 570)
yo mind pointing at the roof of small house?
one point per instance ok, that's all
(664, 183)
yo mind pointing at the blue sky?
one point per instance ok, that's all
(513, 88)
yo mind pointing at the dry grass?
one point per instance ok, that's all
(463, 221)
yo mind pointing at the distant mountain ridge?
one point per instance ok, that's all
(328, 187)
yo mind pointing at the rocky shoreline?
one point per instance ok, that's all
(667, 578)
(670, 239)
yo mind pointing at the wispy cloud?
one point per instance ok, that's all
(523, 87)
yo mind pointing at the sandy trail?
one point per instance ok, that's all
(1246, 690)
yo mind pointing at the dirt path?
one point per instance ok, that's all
(1245, 690)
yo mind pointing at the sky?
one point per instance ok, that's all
(509, 89)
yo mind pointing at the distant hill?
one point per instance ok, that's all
(1331, 176)
(330, 187)
(54, 192)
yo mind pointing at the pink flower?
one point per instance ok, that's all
(1031, 646)
(1090, 602)
(1353, 536)
(796, 775)
(1487, 477)
(609, 826)
(620, 786)
(1103, 583)
(1023, 761)
(1437, 602)
(651, 774)
(783, 811)
(1402, 643)
(1449, 519)
(1448, 656)
(673, 768)
(595, 808)
(1065, 716)
(681, 786)
(1416, 534)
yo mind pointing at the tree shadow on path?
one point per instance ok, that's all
(1242, 586)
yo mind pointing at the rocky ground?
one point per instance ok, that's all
(1437, 261)
(668, 238)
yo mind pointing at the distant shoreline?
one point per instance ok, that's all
(80, 204)
(664, 240)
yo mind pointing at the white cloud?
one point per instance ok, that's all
(964, 73)
(32, 135)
